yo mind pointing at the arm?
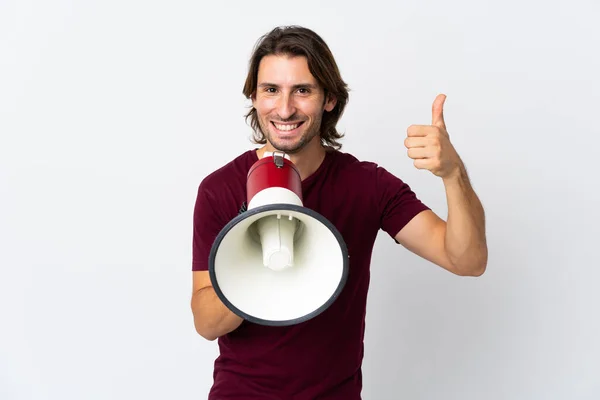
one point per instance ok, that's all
(458, 245)
(465, 238)
(211, 318)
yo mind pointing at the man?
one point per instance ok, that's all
(297, 98)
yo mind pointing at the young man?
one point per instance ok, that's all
(298, 96)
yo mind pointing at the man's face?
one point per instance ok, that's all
(289, 103)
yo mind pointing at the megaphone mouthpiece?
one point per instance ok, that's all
(276, 235)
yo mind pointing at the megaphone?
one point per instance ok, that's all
(277, 263)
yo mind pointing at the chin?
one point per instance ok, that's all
(289, 148)
(286, 143)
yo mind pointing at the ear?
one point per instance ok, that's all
(330, 102)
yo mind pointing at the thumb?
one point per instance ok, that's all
(438, 111)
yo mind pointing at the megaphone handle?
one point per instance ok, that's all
(278, 159)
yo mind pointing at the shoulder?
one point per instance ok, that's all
(232, 172)
(348, 164)
(369, 178)
(222, 192)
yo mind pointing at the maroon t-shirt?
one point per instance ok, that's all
(319, 358)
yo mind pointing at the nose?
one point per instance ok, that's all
(286, 107)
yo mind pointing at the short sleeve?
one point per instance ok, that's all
(207, 223)
(397, 203)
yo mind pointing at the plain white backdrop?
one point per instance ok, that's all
(111, 113)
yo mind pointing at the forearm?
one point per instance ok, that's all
(465, 230)
(211, 318)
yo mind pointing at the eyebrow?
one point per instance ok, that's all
(297, 86)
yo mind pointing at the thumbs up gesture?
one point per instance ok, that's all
(429, 145)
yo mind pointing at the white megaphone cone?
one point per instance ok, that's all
(278, 263)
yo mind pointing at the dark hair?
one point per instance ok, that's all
(299, 41)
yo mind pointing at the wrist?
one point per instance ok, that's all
(457, 175)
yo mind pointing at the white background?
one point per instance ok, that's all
(111, 113)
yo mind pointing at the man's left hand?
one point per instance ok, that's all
(430, 147)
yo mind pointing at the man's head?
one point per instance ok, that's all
(296, 90)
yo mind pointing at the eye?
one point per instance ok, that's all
(303, 90)
(269, 89)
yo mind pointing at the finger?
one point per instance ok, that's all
(423, 163)
(420, 130)
(417, 141)
(419, 152)
(437, 110)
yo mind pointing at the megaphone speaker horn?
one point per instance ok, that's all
(278, 263)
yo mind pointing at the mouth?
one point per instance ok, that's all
(287, 128)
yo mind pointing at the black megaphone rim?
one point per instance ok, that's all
(284, 207)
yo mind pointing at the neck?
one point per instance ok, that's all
(306, 160)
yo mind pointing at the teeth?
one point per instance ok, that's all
(286, 127)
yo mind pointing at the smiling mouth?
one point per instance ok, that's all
(287, 127)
